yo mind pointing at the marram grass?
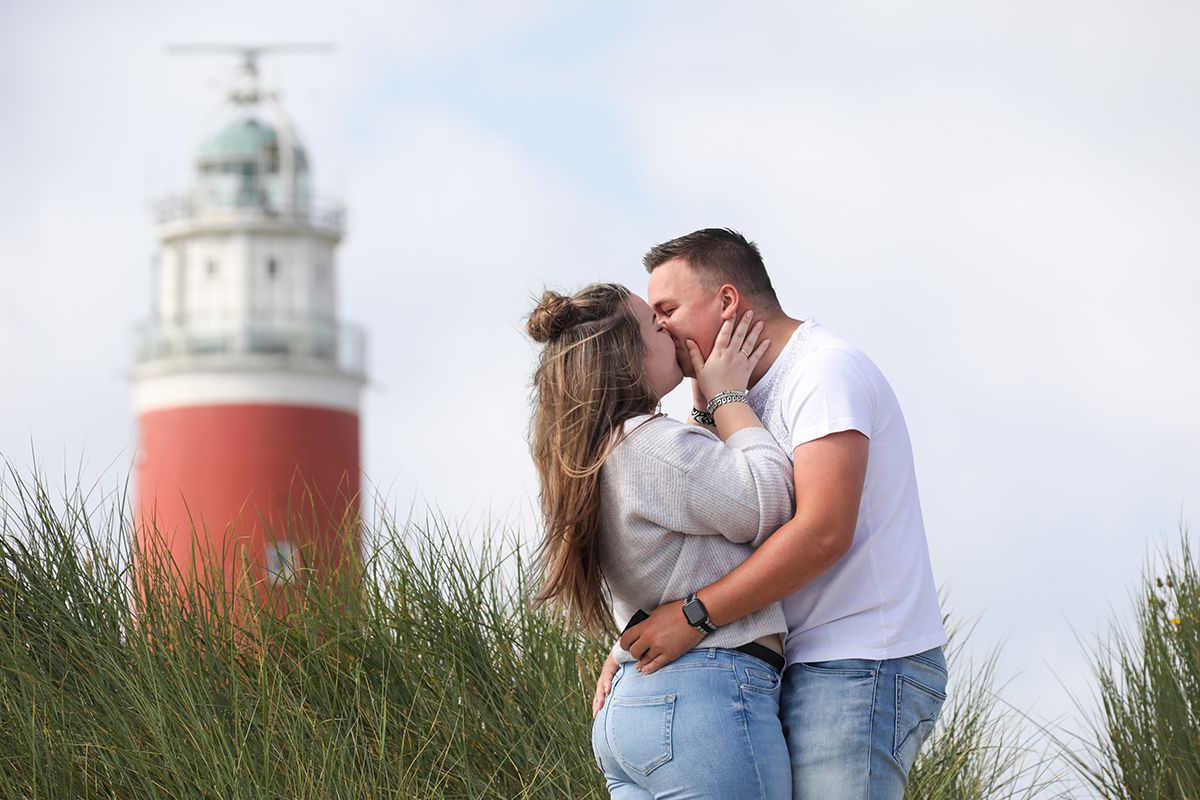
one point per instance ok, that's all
(429, 679)
(1144, 742)
(981, 749)
(427, 675)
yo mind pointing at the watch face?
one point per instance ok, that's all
(694, 612)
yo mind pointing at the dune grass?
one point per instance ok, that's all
(423, 675)
(1144, 741)
(428, 678)
(981, 748)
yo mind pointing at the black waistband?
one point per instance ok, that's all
(759, 651)
(763, 653)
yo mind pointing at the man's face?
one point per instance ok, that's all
(685, 309)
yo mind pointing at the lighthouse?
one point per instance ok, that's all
(246, 383)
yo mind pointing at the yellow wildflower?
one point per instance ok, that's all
(1176, 621)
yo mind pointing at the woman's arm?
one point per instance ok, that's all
(741, 488)
(683, 478)
(734, 355)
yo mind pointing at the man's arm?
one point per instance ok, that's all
(828, 475)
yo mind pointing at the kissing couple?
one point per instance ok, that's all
(765, 562)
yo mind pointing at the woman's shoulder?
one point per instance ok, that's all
(664, 437)
(661, 426)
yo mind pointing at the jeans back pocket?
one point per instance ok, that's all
(917, 708)
(639, 731)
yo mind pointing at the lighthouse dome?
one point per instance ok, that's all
(247, 165)
(245, 140)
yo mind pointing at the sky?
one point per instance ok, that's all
(996, 201)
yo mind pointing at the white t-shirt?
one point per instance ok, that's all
(879, 601)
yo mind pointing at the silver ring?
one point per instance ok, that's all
(743, 352)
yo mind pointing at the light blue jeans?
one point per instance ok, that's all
(854, 726)
(705, 726)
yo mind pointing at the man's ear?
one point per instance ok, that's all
(730, 300)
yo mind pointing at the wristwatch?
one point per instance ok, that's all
(697, 615)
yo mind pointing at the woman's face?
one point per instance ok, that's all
(659, 360)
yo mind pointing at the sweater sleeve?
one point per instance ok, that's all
(740, 489)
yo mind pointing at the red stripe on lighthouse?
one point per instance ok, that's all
(247, 474)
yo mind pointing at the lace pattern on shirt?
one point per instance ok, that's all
(766, 398)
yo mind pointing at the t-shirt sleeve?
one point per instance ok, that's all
(832, 393)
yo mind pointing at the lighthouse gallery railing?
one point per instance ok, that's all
(312, 340)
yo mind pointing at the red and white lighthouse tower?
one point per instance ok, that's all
(247, 385)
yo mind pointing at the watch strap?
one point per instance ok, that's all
(697, 615)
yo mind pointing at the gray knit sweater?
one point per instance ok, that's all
(679, 509)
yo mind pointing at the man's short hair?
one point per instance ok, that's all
(719, 256)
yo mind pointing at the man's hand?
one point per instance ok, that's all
(659, 640)
(604, 684)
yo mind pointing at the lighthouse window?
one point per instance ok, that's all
(272, 267)
(281, 560)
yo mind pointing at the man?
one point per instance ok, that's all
(866, 676)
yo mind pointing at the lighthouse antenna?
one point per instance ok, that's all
(247, 92)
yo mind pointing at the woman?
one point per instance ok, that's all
(643, 510)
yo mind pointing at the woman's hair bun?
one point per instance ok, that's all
(553, 314)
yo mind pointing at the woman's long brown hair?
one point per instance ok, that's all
(589, 381)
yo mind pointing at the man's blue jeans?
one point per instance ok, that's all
(705, 726)
(853, 726)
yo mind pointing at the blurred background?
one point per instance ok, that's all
(997, 202)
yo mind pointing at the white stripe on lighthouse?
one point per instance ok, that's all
(176, 390)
